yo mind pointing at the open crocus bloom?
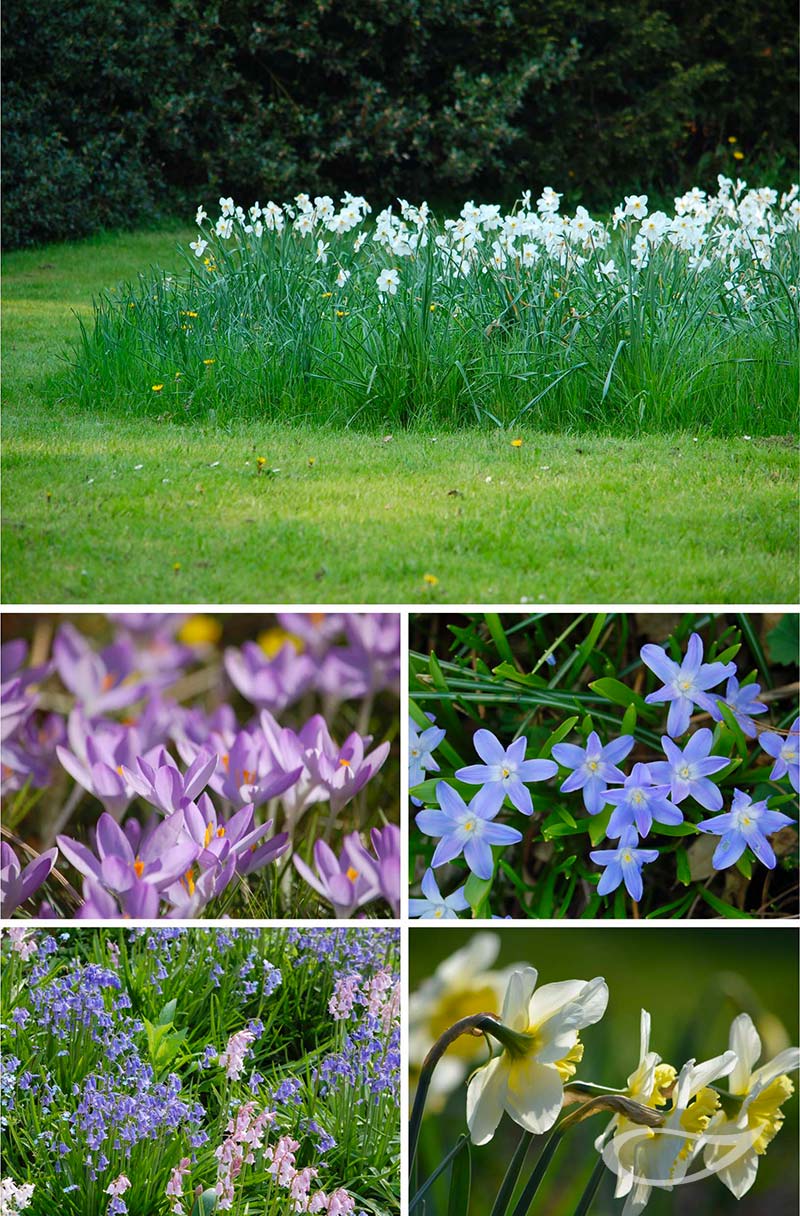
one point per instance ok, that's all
(540, 1053)
(662, 1158)
(759, 1118)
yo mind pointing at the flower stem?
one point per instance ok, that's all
(475, 1024)
(585, 1201)
(539, 1171)
(512, 1174)
(445, 1161)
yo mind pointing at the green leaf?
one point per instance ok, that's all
(567, 818)
(205, 1204)
(728, 654)
(558, 734)
(460, 1183)
(167, 1015)
(628, 721)
(756, 650)
(682, 865)
(426, 790)
(554, 826)
(782, 641)
(619, 694)
(498, 633)
(598, 825)
(720, 906)
(734, 727)
(507, 671)
(674, 829)
(745, 866)
(476, 893)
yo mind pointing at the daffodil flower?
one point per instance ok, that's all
(541, 1050)
(759, 1117)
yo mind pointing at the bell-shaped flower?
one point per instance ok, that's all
(593, 767)
(685, 684)
(687, 772)
(541, 1050)
(785, 751)
(505, 771)
(746, 825)
(466, 829)
(737, 1138)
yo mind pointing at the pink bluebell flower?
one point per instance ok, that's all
(746, 825)
(505, 771)
(466, 829)
(685, 684)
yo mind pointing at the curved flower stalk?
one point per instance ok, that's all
(761, 1092)
(541, 1051)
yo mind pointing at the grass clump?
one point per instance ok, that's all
(305, 313)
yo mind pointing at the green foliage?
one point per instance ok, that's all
(114, 109)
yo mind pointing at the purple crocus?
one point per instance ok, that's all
(785, 752)
(687, 772)
(18, 884)
(342, 771)
(369, 663)
(345, 885)
(386, 843)
(466, 829)
(436, 906)
(743, 702)
(163, 854)
(623, 864)
(593, 767)
(101, 682)
(685, 684)
(638, 803)
(216, 838)
(505, 771)
(270, 683)
(746, 825)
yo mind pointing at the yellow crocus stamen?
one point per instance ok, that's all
(138, 868)
(352, 874)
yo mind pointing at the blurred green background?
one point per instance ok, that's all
(694, 981)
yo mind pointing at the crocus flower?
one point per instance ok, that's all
(386, 843)
(344, 885)
(270, 683)
(466, 829)
(421, 746)
(345, 770)
(505, 770)
(18, 884)
(687, 772)
(216, 837)
(623, 864)
(744, 703)
(685, 684)
(527, 1078)
(593, 767)
(164, 786)
(164, 854)
(369, 663)
(639, 802)
(436, 906)
(759, 1118)
(785, 752)
(102, 681)
(746, 825)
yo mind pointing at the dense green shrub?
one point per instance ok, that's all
(114, 108)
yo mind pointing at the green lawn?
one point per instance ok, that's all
(341, 517)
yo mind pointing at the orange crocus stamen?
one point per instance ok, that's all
(138, 868)
(352, 874)
(345, 763)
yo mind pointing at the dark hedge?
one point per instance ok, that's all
(115, 111)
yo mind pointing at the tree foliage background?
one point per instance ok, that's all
(119, 110)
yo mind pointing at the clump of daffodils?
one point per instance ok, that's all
(670, 1127)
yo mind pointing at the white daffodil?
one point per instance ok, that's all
(387, 281)
(463, 984)
(759, 1117)
(198, 247)
(648, 1085)
(662, 1157)
(539, 1054)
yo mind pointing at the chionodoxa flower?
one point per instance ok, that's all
(541, 1048)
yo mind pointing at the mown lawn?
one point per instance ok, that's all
(105, 509)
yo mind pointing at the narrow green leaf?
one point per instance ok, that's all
(756, 649)
(598, 825)
(460, 1183)
(720, 906)
(745, 866)
(498, 634)
(628, 721)
(559, 734)
(476, 893)
(682, 865)
(619, 694)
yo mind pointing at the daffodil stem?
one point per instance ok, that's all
(441, 1167)
(512, 1174)
(475, 1024)
(539, 1171)
(585, 1201)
